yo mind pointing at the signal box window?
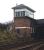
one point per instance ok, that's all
(20, 13)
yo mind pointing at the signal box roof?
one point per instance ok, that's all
(21, 6)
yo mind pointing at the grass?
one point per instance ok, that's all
(6, 37)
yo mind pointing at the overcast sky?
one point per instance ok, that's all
(6, 13)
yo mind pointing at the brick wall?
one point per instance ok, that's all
(23, 22)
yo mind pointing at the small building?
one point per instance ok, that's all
(24, 21)
(40, 29)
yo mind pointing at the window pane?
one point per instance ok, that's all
(18, 13)
(23, 13)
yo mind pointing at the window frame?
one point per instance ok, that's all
(20, 13)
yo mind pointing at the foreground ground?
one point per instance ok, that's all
(35, 45)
